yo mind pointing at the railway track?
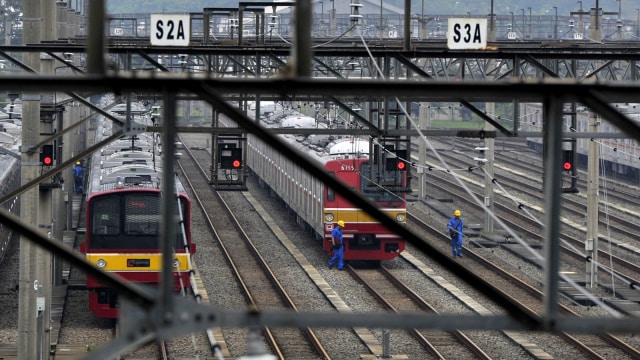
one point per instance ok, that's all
(529, 296)
(615, 251)
(582, 351)
(398, 297)
(250, 268)
(619, 221)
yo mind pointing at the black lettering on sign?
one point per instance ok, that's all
(159, 30)
(175, 30)
(170, 29)
(467, 33)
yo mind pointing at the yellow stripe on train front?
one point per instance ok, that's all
(135, 262)
(351, 215)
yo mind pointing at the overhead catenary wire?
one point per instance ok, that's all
(480, 203)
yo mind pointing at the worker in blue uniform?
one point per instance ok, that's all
(78, 178)
(454, 227)
(337, 244)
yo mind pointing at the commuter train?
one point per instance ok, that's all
(124, 219)
(620, 157)
(10, 139)
(320, 207)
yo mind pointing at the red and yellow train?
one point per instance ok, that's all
(319, 206)
(123, 222)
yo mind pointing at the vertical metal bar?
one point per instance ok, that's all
(169, 206)
(302, 47)
(552, 139)
(95, 41)
(407, 25)
(386, 344)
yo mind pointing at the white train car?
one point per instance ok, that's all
(319, 207)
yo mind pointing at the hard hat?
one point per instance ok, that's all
(340, 223)
(77, 162)
(457, 213)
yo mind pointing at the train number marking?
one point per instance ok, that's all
(344, 167)
(170, 29)
(138, 204)
(467, 33)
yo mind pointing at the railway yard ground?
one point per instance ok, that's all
(299, 264)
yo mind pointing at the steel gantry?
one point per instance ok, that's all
(347, 72)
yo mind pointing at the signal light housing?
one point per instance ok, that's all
(397, 163)
(46, 155)
(567, 160)
(231, 158)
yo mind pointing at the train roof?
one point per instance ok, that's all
(127, 163)
(319, 148)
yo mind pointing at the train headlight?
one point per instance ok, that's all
(328, 217)
(400, 218)
(176, 263)
(101, 263)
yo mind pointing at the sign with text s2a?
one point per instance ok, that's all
(467, 33)
(170, 29)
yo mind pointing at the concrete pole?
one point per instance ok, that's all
(28, 280)
(490, 143)
(423, 121)
(593, 182)
(595, 28)
(332, 19)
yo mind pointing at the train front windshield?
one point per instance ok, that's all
(381, 187)
(128, 221)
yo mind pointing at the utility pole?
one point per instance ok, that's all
(29, 283)
(593, 178)
(332, 18)
(489, 143)
(555, 24)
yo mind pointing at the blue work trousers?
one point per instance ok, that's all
(456, 246)
(338, 256)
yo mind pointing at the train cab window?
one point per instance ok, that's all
(382, 188)
(130, 221)
(105, 216)
(331, 194)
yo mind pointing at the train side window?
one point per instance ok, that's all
(331, 194)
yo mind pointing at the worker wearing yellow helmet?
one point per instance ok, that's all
(337, 244)
(455, 227)
(78, 178)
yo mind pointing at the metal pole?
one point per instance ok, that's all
(580, 19)
(492, 23)
(638, 24)
(529, 28)
(552, 130)
(407, 25)
(169, 207)
(555, 25)
(513, 19)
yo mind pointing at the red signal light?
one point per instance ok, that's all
(567, 166)
(46, 155)
(401, 165)
(236, 164)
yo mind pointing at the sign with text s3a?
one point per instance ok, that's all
(467, 33)
(170, 29)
